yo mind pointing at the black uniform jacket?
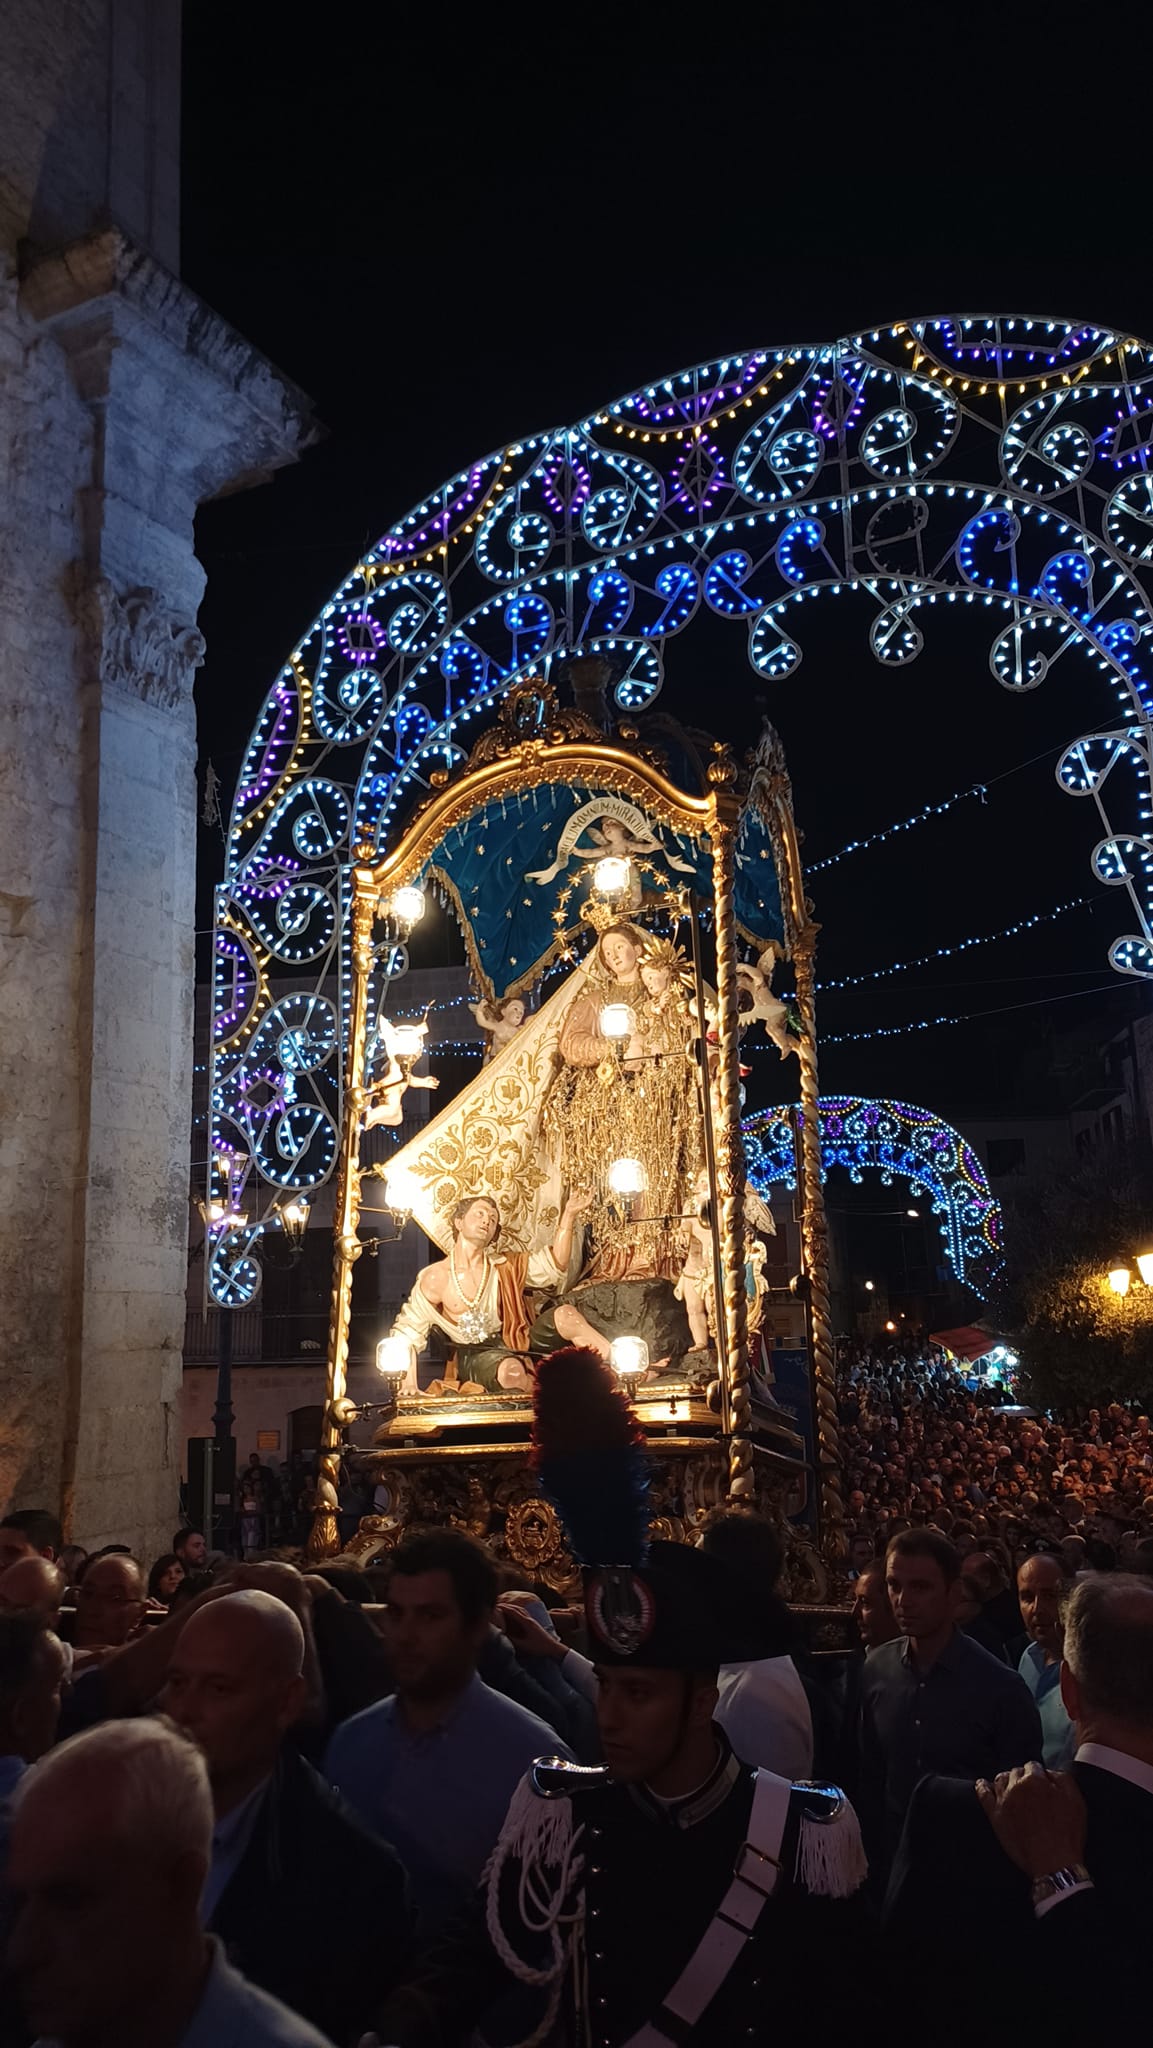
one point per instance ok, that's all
(653, 1879)
(1079, 1972)
(316, 1911)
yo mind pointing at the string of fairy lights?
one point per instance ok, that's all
(920, 817)
(966, 1017)
(1008, 931)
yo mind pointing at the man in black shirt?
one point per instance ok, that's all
(933, 1701)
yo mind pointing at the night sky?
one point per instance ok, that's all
(448, 244)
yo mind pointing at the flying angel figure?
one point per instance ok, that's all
(387, 1094)
(500, 1022)
(755, 999)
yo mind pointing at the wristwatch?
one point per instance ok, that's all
(1071, 1879)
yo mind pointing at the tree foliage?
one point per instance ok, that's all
(1064, 1231)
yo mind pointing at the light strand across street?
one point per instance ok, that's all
(904, 825)
(1009, 931)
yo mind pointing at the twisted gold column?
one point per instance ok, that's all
(815, 1255)
(733, 1330)
(324, 1537)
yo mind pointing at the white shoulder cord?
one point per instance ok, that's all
(541, 1835)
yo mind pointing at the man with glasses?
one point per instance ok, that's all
(110, 1604)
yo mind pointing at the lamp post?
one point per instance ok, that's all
(1119, 1278)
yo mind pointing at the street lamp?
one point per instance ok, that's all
(1120, 1279)
(294, 1221)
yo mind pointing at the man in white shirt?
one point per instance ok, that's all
(762, 1704)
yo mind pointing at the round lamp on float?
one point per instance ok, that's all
(630, 1356)
(406, 907)
(407, 1041)
(1120, 1279)
(628, 1177)
(394, 1357)
(616, 1023)
(612, 877)
(401, 1192)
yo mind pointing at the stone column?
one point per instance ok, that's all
(124, 404)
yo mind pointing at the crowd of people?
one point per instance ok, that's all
(928, 1446)
(245, 1801)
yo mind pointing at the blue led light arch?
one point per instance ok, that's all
(1002, 462)
(898, 1140)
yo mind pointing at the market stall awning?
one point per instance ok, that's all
(968, 1342)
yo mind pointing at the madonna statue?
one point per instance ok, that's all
(552, 1113)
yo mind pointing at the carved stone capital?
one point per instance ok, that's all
(141, 646)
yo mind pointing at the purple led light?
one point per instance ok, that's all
(696, 405)
(566, 486)
(999, 355)
(266, 879)
(402, 542)
(840, 398)
(360, 636)
(699, 475)
(269, 767)
(1131, 439)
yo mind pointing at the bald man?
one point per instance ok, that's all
(110, 1844)
(295, 1878)
(35, 1585)
(110, 1603)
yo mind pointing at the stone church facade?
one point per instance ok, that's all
(125, 403)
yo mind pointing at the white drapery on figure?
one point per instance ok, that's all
(488, 1140)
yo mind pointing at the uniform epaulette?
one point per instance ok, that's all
(831, 1861)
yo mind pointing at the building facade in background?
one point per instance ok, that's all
(124, 404)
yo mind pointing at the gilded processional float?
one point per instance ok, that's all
(625, 889)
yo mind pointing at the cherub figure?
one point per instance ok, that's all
(386, 1094)
(755, 999)
(696, 1285)
(500, 1022)
(611, 836)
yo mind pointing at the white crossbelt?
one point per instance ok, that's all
(754, 1881)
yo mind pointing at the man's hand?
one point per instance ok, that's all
(1038, 1817)
(525, 1633)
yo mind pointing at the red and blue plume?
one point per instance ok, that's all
(588, 1453)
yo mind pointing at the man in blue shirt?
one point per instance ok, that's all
(1042, 1590)
(433, 1767)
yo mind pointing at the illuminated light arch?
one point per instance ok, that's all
(899, 1141)
(1002, 462)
